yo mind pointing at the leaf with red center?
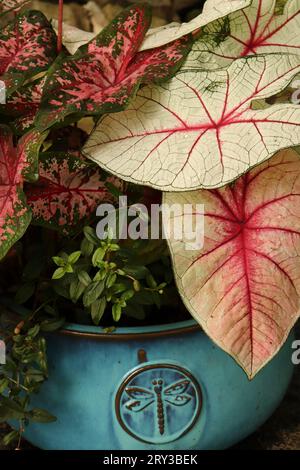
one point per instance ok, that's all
(67, 193)
(103, 74)
(27, 47)
(23, 105)
(7, 6)
(243, 285)
(16, 166)
(199, 130)
(258, 29)
(212, 10)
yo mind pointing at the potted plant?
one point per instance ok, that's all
(196, 122)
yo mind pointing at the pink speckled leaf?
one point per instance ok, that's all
(68, 192)
(16, 166)
(106, 72)
(7, 6)
(200, 130)
(243, 285)
(27, 47)
(266, 26)
(23, 105)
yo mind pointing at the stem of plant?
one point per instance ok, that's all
(60, 25)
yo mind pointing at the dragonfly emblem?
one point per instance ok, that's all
(174, 394)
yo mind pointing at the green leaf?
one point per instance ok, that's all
(59, 273)
(74, 257)
(93, 292)
(98, 256)
(10, 437)
(52, 324)
(39, 415)
(84, 278)
(110, 280)
(59, 261)
(138, 272)
(34, 331)
(86, 247)
(3, 384)
(128, 295)
(98, 309)
(116, 312)
(24, 292)
(76, 290)
(90, 235)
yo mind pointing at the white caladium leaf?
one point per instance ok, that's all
(261, 28)
(243, 285)
(212, 10)
(199, 130)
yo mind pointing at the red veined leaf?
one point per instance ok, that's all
(259, 29)
(107, 71)
(16, 166)
(243, 285)
(68, 192)
(7, 6)
(23, 105)
(27, 47)
(199, 130)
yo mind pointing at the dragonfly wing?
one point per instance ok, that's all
(139, 393)
(138, 405)
(177, 387)
(178, 400)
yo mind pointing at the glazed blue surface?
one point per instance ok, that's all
(188, 395)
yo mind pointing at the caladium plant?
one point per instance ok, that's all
(243, 286)
(17, 165)
(68, 192)
(27, 48)
(104, 74)
(262, 28)
(200, 129)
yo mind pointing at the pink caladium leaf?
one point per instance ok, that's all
(106, 72)
(27, 48)
(68, 192)
(16, 166)
(243, 284)
(7, 6)
(199, 130)
(261, 28)
(23, 106)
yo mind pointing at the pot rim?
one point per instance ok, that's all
(129, 333)
(120, 334)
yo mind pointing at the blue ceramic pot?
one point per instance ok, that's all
(168, 387)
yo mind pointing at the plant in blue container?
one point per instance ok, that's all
(152, 175)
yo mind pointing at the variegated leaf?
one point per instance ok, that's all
(243, 285)
(106, 72)
(68, 192)
(259, 29)
(23, 105)
(16, 166)
(27, 47)
(200, 130)
(7, 6)
(212, 10)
